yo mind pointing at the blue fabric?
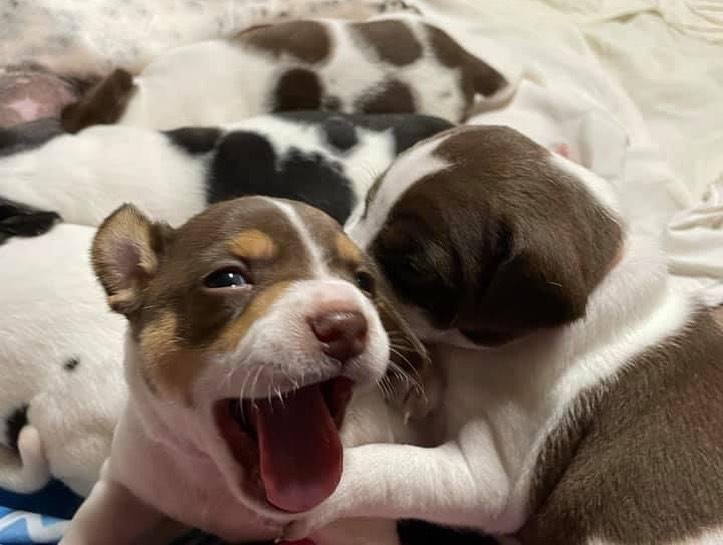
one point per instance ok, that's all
(36, 518)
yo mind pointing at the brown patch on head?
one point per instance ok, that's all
(477, 75)
(638, 459)
(103, 104)
(391, 96)
(348, 251)
(392, 41)
(500, 242)
(298, 89)
(169, 367)
(253, 244)
(306, 41)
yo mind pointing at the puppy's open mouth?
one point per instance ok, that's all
(291, 443)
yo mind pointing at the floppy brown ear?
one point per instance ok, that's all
(125, 255)
(544, 277)
(103, 104)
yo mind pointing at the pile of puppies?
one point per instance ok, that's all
(570, 395)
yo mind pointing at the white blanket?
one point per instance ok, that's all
(621, 89)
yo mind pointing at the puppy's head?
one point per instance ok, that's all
(250, 327)
(487, 236)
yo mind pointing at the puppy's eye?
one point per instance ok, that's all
(365, 282)
(228, 277)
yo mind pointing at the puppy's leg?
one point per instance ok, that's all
(112, 515)
(443, 485)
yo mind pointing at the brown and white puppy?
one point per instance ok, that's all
(384, 65)
(250, 328)
(584, 395)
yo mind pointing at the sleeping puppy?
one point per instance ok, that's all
(250, 329)
(62, 383)
(584, 396)
(384, 65)
(324, 159)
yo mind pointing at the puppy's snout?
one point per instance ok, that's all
(342, 335)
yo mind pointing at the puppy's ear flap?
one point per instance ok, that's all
(102, 104)
(125, 254)
(541, 281)
(21, 220)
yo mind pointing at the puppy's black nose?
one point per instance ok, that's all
(342, 334)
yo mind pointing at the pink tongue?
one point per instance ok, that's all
(300, 451)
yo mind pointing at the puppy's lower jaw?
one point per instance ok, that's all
(288, 446)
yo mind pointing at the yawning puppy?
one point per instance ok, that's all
(251, 327)
(324, 159)
(584, 396)
(388, 65)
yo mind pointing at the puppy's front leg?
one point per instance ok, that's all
(112, 515)
(400, 481)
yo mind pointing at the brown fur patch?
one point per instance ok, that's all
(499, 243)
(168, 366)
(254, 245)
(103, 104)
(639, 460)
(298, 89)
(478, 76)
(229, 339)
(392, 41)
(307, 41)
(348, 251)
(392, 96)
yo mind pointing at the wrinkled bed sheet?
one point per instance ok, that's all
(631, 89)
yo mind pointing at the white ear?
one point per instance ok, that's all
(125, 255)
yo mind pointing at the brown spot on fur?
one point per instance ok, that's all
(348, 251)
(167, 364)
(253, 244)
(307, 41)
(231, 336)
(718, 316)
(392, 41)
(392, 96)
(639, 459)
(477, 75)
(103, 104)
(298, 89)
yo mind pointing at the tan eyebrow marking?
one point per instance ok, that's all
(347, 250)
(253, 244)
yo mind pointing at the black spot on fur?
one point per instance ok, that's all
(26, 136)
(21, 220)
(15, 422)
(340, 133)
(408, 129)
(298, 89)
(71, 363)
(417, 532)
(391, 96)
(245, 163)
(194, 140)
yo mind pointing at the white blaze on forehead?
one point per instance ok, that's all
(316, 253)
(415, 164)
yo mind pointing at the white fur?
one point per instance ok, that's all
(54, 310)
(84, 177)
(713, 536)
(219, 81)
(414, 164)
(500, 404)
